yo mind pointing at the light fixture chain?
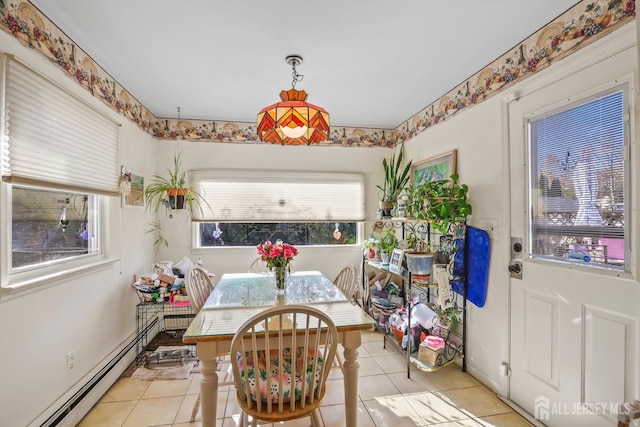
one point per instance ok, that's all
(296, 77)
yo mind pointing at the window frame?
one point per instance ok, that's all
(196, 243)
(625, 85)
(15, 281)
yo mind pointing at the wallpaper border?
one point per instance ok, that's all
(581, 25)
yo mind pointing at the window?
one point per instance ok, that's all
(59, 161)
(295, 233)
(579, 179)
(302, 208)
(49, 226)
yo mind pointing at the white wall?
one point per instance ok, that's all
(93, 315)
(221, 260)
(476, 135)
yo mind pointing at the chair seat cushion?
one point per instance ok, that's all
(303, 372)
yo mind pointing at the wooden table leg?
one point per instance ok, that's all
(209, 384)
(351, 342)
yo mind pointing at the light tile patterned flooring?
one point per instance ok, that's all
(446, 398)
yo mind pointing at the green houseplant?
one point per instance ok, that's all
(156, 227)
(396, 177)
(415, 201)
(449, 317)
(173, 191)
(445, 201)
(388, 242)
(371, 247)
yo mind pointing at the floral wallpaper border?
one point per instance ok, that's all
(581, 25)
(584, 23)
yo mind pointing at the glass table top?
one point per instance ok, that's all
(258, 289)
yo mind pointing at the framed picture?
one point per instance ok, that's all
(396, 259)
(434, 169)
(135, 199)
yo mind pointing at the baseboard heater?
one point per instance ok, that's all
(57, 417)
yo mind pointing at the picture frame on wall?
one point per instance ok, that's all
(135, 198)
(434, 168)
(395, 263)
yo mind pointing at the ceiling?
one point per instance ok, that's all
(369, 63)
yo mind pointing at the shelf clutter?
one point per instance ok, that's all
(414, 327)
(415, 324)
(422, 313)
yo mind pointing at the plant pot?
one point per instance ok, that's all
(373, 253)
(441, 258)
(387, 208)
(176, 198)
(420, 265)
(386, 257)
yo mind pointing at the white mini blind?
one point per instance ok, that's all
(52, 138)
(274, 196)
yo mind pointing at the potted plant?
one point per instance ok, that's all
(396, 176)
(388, 243)
(445, 202)
(445, 249)
(173, 191)
(448, 318)
(415, 201)
(371, 248)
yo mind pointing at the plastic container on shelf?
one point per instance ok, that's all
(419, 264)
(424, 316)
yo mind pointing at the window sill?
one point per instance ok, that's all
(18, 289)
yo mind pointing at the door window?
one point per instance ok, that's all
(579, 182)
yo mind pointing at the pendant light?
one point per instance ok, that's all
(293, 121)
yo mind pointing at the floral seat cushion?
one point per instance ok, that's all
(303, 372)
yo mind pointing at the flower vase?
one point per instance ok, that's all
(280, 278)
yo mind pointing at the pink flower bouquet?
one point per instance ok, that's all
(277, 254)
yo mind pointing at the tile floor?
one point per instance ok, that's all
(446, 398)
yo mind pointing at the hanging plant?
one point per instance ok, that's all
(156, 227)
(173, 191)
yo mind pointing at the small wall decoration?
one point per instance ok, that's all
(434, 168)
(395, 263)
(135, 198)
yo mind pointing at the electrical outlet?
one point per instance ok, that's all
(71, 359)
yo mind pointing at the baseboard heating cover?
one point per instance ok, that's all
(77, 406)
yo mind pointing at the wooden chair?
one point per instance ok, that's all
(283, 377)
(199, 287)
(347, 282)
(258, 266)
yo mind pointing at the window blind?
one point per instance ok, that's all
(579, 157)
(579, 180)
(52, 138)
(275, 196)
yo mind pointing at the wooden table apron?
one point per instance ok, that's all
(237, 297)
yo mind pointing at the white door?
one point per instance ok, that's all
(574, 330)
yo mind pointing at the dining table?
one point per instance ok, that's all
(239, 296)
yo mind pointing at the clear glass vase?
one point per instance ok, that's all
(280, 278)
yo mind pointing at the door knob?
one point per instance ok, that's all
(515, 269)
